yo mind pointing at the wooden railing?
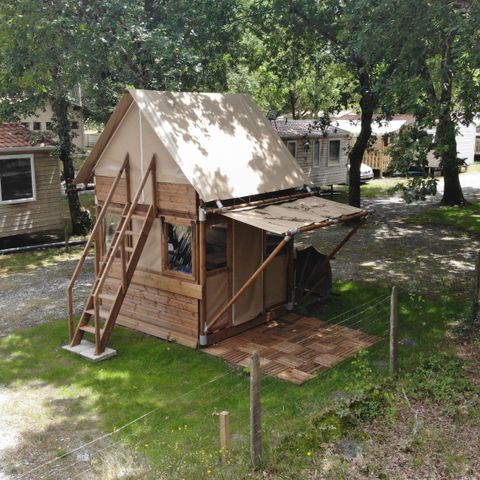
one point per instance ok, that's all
(120, 245)
(96, 237)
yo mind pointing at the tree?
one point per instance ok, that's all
(440, 82)
(40, 62)
(157, 44)
(342, 32)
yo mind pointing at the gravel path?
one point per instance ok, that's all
(39, 295)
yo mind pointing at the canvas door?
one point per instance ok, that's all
(276, 274)
(247, 257)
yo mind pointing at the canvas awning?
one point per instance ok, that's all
(296, 216)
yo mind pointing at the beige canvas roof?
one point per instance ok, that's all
(223, 143)
(287, 216)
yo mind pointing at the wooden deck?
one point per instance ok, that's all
(294, 348)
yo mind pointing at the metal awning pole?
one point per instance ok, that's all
(249, 282)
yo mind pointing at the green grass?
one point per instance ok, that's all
(181, 437)
(23, 262)
(465, 218)
(374, 188)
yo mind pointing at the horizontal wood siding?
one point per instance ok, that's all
(323, 174)
(173, 198)
(43, 214)
(159, 305)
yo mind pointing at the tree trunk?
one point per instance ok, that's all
(445, 136)
(367, 105)
(81, 219)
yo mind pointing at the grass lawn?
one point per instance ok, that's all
(184, 387)
(374, 188)
(466, 218)
(10, 264)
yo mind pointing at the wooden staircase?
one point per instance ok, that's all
(102, 307)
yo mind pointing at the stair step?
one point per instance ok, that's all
(89, 329)
(102, 312)
(132, 233)
(136, 215)
(129, 249)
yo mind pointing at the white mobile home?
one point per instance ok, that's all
(321, 153)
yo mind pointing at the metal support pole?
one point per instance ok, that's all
(255, 413)
(394, 332)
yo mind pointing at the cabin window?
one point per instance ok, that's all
(17, 179)
(316, 153)
(25, 124)
(216, 239)
(37, 126)
(179, 248)
(271, 242)
(111, 222)
(292, 148)
(334, 152)
(74, 125)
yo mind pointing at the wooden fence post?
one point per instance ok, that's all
(255, 413)
(476, 291)
(224, 435)
(393, 331)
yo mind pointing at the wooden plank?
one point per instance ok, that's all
(163, 282)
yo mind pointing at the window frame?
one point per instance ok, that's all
(35, 125)
(165, 268)
(337, 163)
(33, 198)
(292, 142)
(316, 163)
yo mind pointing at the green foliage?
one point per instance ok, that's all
(417, 188)
(464, 218)
(439, 379)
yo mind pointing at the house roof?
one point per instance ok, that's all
(351, 123)
(15, 135)
(288, 128)
(222, 143)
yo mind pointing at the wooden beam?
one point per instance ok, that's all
(202, 266)
(249, 282)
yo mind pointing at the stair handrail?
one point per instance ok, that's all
(150, 170)
(91, 239)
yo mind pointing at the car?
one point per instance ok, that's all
(413, 171)
(366, 172)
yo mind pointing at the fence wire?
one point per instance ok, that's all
(181, 439)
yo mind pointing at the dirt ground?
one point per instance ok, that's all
(388, 250)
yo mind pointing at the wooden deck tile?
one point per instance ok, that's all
(294, 348)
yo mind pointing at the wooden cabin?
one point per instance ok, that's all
(30, 193)
(198, 203)
(321, 153)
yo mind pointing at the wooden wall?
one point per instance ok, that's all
(159, 303)
(43, 214)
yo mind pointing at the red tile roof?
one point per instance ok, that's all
(15, 135)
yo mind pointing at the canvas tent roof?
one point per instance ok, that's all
(223, 143)
(298, 214)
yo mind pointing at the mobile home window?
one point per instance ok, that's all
(216, 239)
(17, 179)
(292, 148)
(179, 248)
(334, 152)
(37, 126)
(316, 153)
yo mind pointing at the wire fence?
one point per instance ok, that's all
(180, 438)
